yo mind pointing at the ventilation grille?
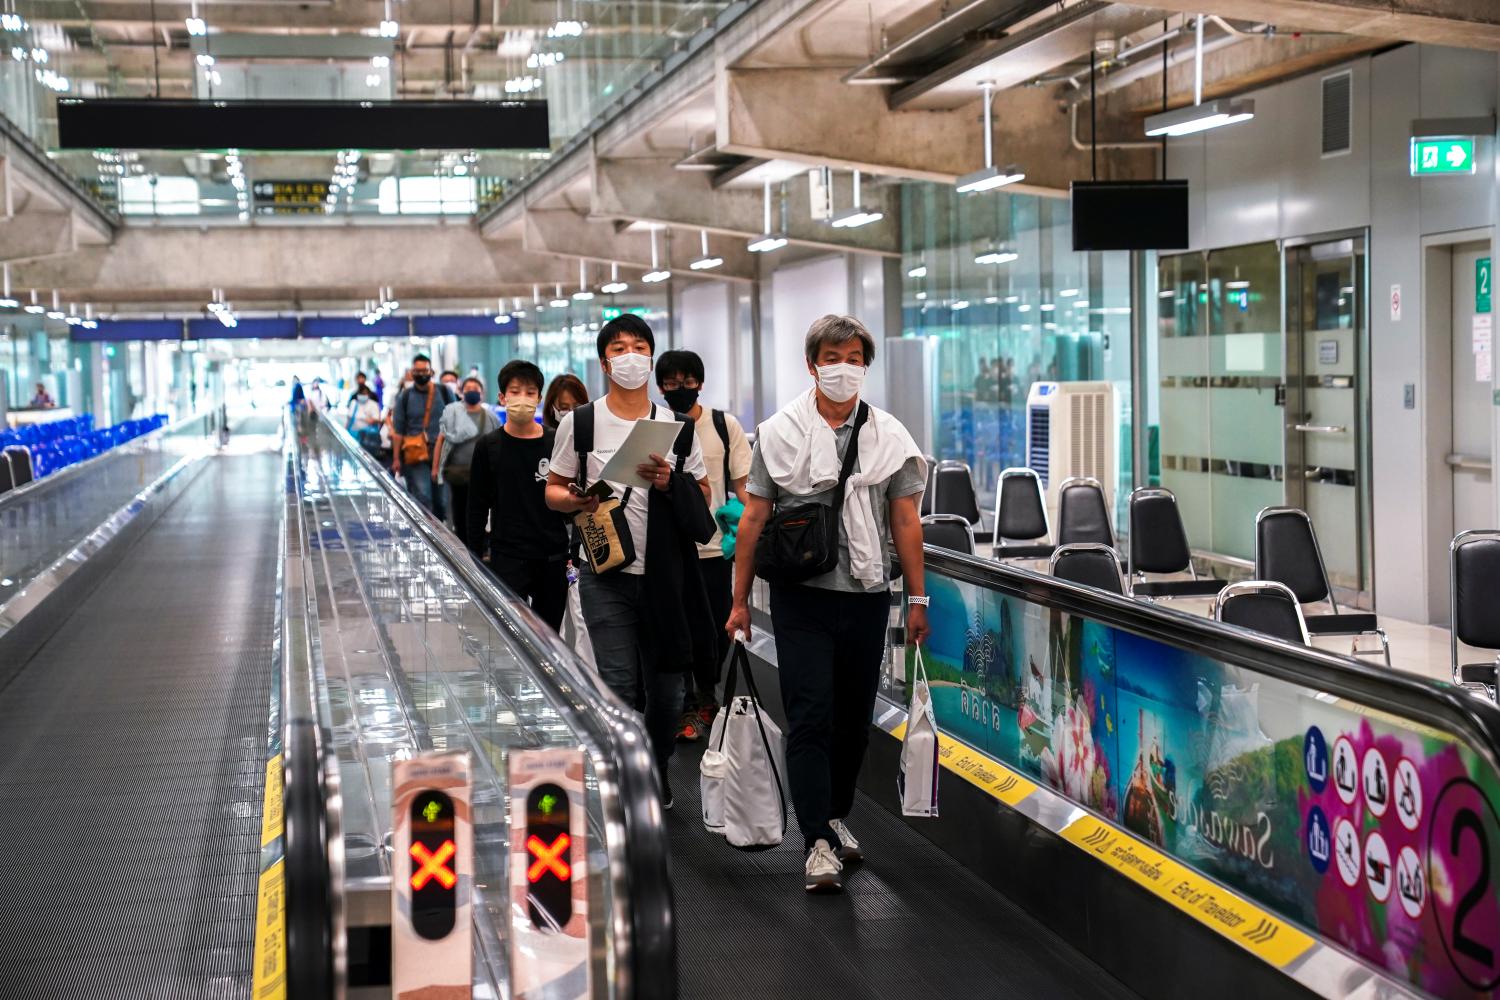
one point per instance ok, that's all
(1337, 113)
(1038, 447)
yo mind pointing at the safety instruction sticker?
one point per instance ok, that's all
(978, 769)
(270, 909)
(1267, 937)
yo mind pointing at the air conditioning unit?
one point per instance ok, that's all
(1072, 429)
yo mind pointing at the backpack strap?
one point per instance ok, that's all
(683, 446)
(583, 440)
(721, 425)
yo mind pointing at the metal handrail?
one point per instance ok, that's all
(1476, 721)
(313, 807)
(11, 497)
(613, 734)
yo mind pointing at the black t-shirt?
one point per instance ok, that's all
(508, 477)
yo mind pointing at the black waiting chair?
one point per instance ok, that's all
(1083, 513)
(948, 531)
(1287, 551)
(1090, 564)
(953, 491)
(21, 472)
(1473, 582)
(1158, 544)
(1020, 517)
(1263, 606)
(7, 478)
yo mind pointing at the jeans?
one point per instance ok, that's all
(420, 485)
(543, 582)
(718, 577)
(616, 612)
(829, 648)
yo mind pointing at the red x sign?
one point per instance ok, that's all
(549, 858)
(434, 865)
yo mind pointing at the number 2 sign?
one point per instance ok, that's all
(1463, 838)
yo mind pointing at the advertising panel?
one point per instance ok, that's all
(1371, 831)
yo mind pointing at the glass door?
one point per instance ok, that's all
(1327, 466)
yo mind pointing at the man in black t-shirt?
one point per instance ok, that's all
(507, 483)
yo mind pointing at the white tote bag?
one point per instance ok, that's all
(917, 783)
(742, 776)
(575, 632)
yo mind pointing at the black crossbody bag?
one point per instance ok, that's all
(799, 543)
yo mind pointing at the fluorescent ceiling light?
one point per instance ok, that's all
(583, 295)
(921, 296)
(558, 303)
(1011, 300)
(1236, 284)
(766, 243)
(1201, 117)
(996, 255)
(1067, 293)
(988, 179)
(960, 304)
(853, 218)
(196, 27)
(652, 277)
(990, 300)
(34, 308)
(613, 287)
(1024, 307)
(389, 29)
(502, 319)
(55, 314)
(1166, 293)
(1046, 307)
(706, 262)
(920, 271)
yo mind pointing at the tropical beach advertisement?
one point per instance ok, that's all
(1372, 832)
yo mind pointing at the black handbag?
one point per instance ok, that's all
(799, 543)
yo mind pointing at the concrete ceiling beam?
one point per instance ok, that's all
(35, 235)
(652, 191)
(1471, 24)
(157, 263)
(571, 235)
(852, 127)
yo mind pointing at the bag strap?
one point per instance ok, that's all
(683, 446)
(919, 668)
(737, 657)
(583, 441)
(722, 427)
(850, 454)
(432, 391)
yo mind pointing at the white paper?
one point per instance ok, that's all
(1484, 368)
(646, 438)
(1481, 331)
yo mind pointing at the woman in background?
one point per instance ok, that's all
(564, 395)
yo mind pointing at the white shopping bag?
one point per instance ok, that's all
(742, 776)
(917, 783)
(574, 631)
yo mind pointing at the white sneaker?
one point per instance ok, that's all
(848, 846)
(823, 869)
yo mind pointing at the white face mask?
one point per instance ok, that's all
(841, 382)
(629, 371)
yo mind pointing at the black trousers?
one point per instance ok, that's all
(718, 580)
(459, 509)
(543, 582)
(829, 647)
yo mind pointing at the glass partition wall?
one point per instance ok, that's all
(994, 279)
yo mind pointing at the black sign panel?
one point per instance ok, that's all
(301, 125)
(549, 858)
(1130, 215)
(434, 881)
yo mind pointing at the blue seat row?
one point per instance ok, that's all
(61, 443)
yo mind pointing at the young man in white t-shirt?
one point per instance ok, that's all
(726, 454)
(618, 605)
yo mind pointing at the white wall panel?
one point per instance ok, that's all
(703, 325)
(800, 293)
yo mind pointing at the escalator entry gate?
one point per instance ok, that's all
(432, 882)
(549, 946)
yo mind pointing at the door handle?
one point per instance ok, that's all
(1320, 428)
(1472, 462)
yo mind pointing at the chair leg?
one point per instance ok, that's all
(1384, 650)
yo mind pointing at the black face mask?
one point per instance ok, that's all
(681, 399)
(422, 378)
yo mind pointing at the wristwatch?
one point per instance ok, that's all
(914, 599)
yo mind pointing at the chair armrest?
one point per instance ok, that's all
(1355, 624)
(1022, 551)
(1178, 588)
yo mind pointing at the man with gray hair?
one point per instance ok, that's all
(830, 627)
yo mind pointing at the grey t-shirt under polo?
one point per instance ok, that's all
(903, 483)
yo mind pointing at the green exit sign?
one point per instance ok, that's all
(615, 312)
(1442, 156)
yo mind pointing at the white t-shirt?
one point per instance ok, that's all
(713, 458)
(610, 432)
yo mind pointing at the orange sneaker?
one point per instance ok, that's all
(690, 731)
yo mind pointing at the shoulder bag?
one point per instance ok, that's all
(414, 449)
(799, 543)
(604, 534)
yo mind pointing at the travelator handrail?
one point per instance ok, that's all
(39, 486)
(312, 803)
(613, 735)
(1440, 705)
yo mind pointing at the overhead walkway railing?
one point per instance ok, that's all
(416, 648)
(59, 534)
(1338, 820)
